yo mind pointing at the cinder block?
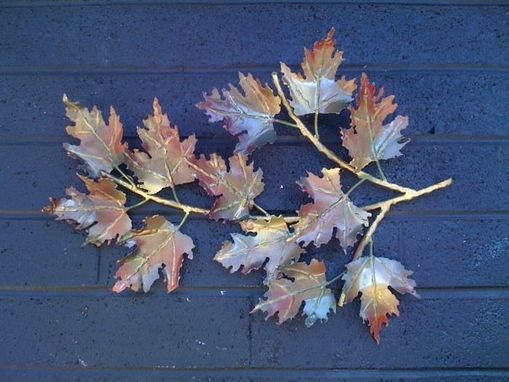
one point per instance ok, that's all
(458, 103)
(40, 253)
(438, 331)
(256, 34)
(130, 331)
(454, 252)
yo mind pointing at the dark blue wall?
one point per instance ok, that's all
(447, 64)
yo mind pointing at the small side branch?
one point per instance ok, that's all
(187, 209)
(165, 202)
(386, 206)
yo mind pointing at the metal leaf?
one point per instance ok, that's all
(101, 213)
(331, 209)
(268, 248)
(318, 91)
(159, 245)
(248, 116)
(368, 140)
(101, 147)
(166, 164)
(236, 188)
(372, 276)
(308, 285)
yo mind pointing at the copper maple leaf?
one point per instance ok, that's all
(368, 140)
(251, 252)
(236, 188)
(318, 91)
(101, 213)
(285, 296)
(159, 245)
(372, 276)
(166, 164)
(331, 209)
(101, 147)
(248, 116)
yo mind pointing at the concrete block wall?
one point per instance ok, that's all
(448, 65)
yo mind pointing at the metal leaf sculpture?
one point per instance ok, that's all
(371, 277)
(302, 283)
(331, 209)
(101, 147)
(101, 213)
(272, 242)
(249, 116)
(369, 140)
(270, 247)
(159, 245)
(236, 188)
(318, 91)
(166, 161)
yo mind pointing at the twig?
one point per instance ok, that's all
(261, 209)
(157, 199)
(125, 176)
(317, 132)
(137, 204)
(410, 195)
(180, 206)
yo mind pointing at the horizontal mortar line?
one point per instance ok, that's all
(17, 214)
(243, 371)
(424, 139)
(67, 3)
(394, 214)
(182, 69)
(499, 292)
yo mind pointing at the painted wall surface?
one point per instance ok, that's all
(447, 64)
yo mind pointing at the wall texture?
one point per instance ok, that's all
(448, 65)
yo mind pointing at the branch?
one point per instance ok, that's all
(187, 209)
(165, 202)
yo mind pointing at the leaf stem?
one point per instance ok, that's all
(261, 209)
(317, 133)
(334, 279)
(380, 171)
(355, 186)
(329, 153)
(125, 176)
(174, 193)
(137, 204)
(282, 122)
(186, 215)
